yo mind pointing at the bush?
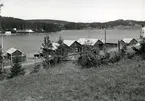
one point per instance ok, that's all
(36, 69)
(114, 58)
(95, 50)
(105, 59)
(3, 74)
(88, 60)
(141, 50)
(136, 50)
(130, 55)
(91, 57)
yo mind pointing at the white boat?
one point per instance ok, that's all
(25, 31)
(8, 33)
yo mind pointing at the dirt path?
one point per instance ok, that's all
(26, 63)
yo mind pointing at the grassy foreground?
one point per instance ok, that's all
(123, 81)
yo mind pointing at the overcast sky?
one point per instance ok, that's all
(75, 10)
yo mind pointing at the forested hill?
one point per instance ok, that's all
(48, 21)
(8, 23)
(47, 25)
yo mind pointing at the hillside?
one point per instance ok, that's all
(123, 81)
(48, 21)
(80, 25)
(48, 25)
(8, 23)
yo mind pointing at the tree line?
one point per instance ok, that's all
(8, 23)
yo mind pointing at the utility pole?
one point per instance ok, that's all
(105, 41)
(119, 46)
(1, 5)
(2, 66)
(142, 32)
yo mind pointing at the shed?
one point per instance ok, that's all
(65, 46)
(68, 44)
(122, 43)
(99, 44)
(12, 53)
(76, 47)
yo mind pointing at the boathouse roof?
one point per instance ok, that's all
(11, 50)
(68, 42)
(127, 40)
(88, 41)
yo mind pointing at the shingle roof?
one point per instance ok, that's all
(68, 42)
(87, 41)
(127, 40)
(11, 50)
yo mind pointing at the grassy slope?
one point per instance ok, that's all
(123, 81)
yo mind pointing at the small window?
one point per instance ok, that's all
(76, 49)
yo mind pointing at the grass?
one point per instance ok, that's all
(122, 81)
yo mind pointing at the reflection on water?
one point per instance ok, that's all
(31, 43)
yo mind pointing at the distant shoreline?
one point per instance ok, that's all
(46, 25)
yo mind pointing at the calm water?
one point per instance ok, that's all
(30, 44)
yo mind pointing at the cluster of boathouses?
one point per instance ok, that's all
(74, 46)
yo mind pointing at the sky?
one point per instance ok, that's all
(75, 10)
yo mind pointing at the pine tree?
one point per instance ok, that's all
(2, 71)
(47, 51)
(47, 45)
(16, 69)
(60, 40)
(61, 50)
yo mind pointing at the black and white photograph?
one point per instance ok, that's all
(72, 50)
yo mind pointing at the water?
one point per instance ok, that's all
(31, 43)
